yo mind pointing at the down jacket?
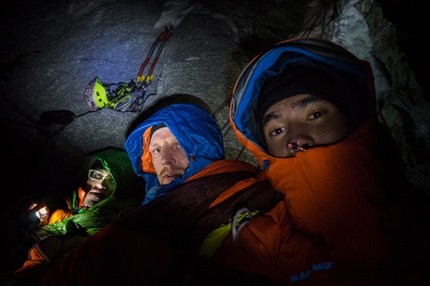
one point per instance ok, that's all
(351, 195)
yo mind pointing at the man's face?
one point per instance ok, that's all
(168, 157)
(305, 120)
(102, 186)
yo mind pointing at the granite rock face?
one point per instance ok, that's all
(51, 50)
(405, 107)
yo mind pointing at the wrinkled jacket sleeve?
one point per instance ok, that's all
(60, 228)
(92, 220)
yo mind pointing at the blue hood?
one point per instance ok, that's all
(317, 53)
(196, 132)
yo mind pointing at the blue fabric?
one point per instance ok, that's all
(268, 65)
(196, 132)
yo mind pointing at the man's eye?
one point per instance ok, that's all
(98, 176)
(156, 151)
(277, 131)
(316, 115)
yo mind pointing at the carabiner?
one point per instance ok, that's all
(237, 227)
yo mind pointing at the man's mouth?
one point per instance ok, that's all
(173, 176)
(168, 175)
(97, 193)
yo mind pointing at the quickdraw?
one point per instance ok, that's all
(126, 96)
(162, 38)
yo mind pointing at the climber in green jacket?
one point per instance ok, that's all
(107, 186)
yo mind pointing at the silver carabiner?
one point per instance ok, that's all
(237, 227)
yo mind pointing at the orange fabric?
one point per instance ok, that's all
(330, 192)
(271, 246)
(224, 166)
(146, 158)
(336, 192)
(34, 258)
(227, 166)
(81, 196)
(59, 215)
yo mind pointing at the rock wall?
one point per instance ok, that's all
(403, 108)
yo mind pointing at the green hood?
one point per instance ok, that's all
(115, 161)
(127, 194)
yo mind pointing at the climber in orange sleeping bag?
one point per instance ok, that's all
(306, 110)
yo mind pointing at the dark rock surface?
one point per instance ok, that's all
(51, 50)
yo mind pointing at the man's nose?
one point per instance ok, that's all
(299, 136)
(99, 185)
(168, 157)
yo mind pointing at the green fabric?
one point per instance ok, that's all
(115, 161)
(92, 220)
(105, 212)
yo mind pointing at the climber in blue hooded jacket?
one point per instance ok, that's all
(186, 122)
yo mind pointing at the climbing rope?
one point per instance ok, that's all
(320, 16)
